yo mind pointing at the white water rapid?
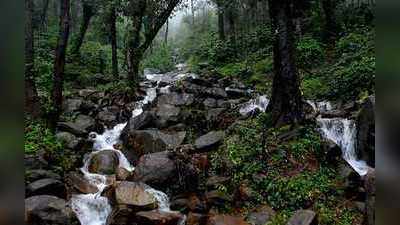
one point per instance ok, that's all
(94, 209)
(261, 103)
(343, 132)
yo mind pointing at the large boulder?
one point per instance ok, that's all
(209, 141)
(46, 186)
(303, 217)
(104, 162)
(167, 114)
(78, 183)
(157, 217)
(366, 131)
(225, 220)
(80, 127)
(69, 140)
(176, 99)
(48, 210)
(108, 118)
(72, 105)
(210, 103)
(237, 93)
(155, 169)
(134, 194)
(141, 142)
(138, 122)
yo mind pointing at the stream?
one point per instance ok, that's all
(94, 209)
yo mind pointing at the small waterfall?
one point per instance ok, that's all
(94, 209)
(260, 103)
(342, 132)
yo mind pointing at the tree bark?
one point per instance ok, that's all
(229, 23)
(331, 27)
(43, 16)
(59, 63)
(221, 31)
(286, 102)
(87, 16)
(166, 33)
(32, 105)
(114, 47)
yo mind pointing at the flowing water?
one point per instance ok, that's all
(94, 209)
(343, 132)
(261, 103)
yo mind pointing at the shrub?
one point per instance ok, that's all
(309, 52)
(315, 88)
(38, 137)
(161, 58)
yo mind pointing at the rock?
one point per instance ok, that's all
(196, 219)
(224, 104)
(262, 216)
(148, 71)
(46, 186)
(85, 93)
(366, 131)
(72, 105)
(333, 153)
(216, 198)
(69, 140)
(79, 183)
(167, 114)
(155, 169)
(135, 194)
(109, 118)
(122, 173)
(104, 162)
(157, 217)
(138, 122)
(81, 127)
(176, 99)
(236, 92)
(196, 205)
(216, 92)
(143, 142)
(48, 210)
(34, 175)
(213, 114)
(303, 217)
(334, 113)
(209, 140)
(225, 220)
(214, 181)
(210, 103)
(370, 188)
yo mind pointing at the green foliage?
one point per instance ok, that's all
(161, 58)
(233, 69)
(299, 191)
(309, 52)
(38, 137)
(315, 88)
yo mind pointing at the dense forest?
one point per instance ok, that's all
(200, 112)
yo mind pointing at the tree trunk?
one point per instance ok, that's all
(114, 47)
(166, 33)
(331, 28)
(286, 102)
(43, 16)
(87, 16)
(32, 105)
(59, 63)
(229, 22)
(193, 12)
(221, 21)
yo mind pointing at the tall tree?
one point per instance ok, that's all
(221, 22)
(113, 40)
(59, 62)
(331, 27)
(230, 14)
(32, 106)
(153, 14)
(87, 14)
(286, 102)
(43, 15)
